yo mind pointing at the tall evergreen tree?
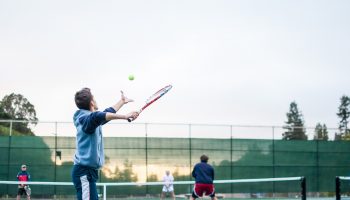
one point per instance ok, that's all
(321, 132)
(294, 124)
(344, 114)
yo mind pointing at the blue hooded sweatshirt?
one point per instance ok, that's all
(203, 173)
(89, 140)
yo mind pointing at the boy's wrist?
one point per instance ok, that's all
(118, 116)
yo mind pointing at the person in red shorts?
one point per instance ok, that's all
(203, 173)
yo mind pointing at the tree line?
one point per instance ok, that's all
(17, 107)
(295, 124)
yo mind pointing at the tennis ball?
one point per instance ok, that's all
(131, 77)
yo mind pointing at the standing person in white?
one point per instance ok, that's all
(168, 185)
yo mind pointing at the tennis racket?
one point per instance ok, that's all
(28, 190)
(154, 98)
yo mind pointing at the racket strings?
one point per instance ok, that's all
(158, 94)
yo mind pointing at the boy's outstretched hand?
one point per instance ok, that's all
(125, 99)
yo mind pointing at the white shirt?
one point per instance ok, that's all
(168, 183)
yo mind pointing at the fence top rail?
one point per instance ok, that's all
(145, 123)
(162, 123)
(158, 183)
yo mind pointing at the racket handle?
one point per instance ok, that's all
(131, 119)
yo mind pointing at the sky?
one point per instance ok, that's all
(236, 62)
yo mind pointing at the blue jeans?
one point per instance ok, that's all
(84, 179)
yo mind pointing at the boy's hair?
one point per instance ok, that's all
(83, 98)
(204, 158)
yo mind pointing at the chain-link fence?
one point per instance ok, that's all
(143, 152)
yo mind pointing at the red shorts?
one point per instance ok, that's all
(201, 188)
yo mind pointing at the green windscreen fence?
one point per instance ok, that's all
(133, 159)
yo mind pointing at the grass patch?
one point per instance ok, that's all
(5, 131)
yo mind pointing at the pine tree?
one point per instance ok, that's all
(344, 114)
(321, 132)
(294, 124)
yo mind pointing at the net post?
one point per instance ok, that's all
(104, 192)
(303, 188)
(337, 188)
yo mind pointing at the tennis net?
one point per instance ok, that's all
(263, 188)
(342, 187)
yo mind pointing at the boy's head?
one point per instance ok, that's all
(23, 167)
(204, 158)
(85, 100)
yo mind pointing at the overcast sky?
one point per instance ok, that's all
(229, 61)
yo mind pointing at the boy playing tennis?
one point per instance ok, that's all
(89, 154)
(24, 176)
(204, 177)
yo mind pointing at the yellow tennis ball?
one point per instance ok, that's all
(131, 77)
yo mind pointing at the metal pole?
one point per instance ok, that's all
(55, 159)
(337, 188)
(146, 146)
(273, 161)
(303, 188)
(317, 168)
(190, 147)
(11, 128)
(231, 154)
(9, 157)
(104, 192)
